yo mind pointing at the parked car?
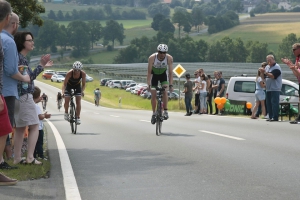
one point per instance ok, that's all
(57, 78)
(48, 74)
(125, 82)
(115, 84)
(104, 80)
(88, 78)
(173, 96)
(64, 73)
(130, 88)
(129, 85)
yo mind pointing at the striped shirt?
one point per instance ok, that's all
(33, 74)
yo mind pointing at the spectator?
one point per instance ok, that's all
(209, 96)
(197, 92)
(260, 95)
(215, 85)
(97, 96)
(38, 151)
(273, 87)
(295, 69)
(203, 94)
(11, 75)
(6, 128)
(258, 112)
(188, 91)
(25, 104)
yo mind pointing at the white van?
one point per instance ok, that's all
(242, 89)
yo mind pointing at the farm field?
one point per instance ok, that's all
(270, 28)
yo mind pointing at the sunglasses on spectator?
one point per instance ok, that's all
(295, 49)
(162, 52)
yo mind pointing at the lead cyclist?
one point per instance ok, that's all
(160, 68)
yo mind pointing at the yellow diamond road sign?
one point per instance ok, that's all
(179, 70)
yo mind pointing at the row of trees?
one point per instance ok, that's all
(79, 35)
(96, 14)
(188, 50)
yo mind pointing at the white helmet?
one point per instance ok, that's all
(77, 65)
(162, 48)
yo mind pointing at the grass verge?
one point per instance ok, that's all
(30, 172)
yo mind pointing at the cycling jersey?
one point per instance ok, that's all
(74, 84)
(159, 71)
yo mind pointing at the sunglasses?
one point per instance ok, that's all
(162, 52)
(295, 49)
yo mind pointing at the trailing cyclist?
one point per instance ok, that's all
(44, 101)
(59, 99)
(160, 69)
(75, 79)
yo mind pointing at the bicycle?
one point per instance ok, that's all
(159, 110)
(72, 113)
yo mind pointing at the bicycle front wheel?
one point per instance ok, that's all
(158, 119)
(72, 116)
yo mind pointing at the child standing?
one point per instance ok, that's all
(39, 152)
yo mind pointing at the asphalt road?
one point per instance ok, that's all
(116, 155)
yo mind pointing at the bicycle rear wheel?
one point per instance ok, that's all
(73, 118)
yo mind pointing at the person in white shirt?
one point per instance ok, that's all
(260, 95)
(203, 94)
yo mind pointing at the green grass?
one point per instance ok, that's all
(30, 172)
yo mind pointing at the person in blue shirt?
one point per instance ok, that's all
(11, 76)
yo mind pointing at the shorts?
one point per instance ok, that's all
(4, 120)
(260, 95)
(76, 88)
(162, 78)
(25, 111)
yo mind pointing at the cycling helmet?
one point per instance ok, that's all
(77, 65)
(162, 48)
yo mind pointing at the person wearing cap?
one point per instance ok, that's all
(188, 95)
(160, 69)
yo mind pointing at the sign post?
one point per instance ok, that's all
(179, 71)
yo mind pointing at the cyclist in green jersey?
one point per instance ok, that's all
(160, 69)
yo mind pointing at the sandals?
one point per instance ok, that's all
(34, 162)
(22, 162)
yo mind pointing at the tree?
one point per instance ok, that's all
(51, 15)
(201, 48)
(113, 31)
(285, 46)
(47, 34)
(95, 30)
(156, 20)
(62, 37)
(166, 26)
(197, 16)
(175, 3)
(60, 16)
(257, 51)
(29, 11)
(146, 3)
(180, 19)
(127, 55)
(108, 10)
(78, 33)
(158, 8)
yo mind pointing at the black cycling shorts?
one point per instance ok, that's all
(76, 88)
(162, 78)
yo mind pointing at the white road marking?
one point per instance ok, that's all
(70, 184)
(114, 116)
(144, 120)
(222, 135)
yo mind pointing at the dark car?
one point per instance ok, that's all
(104, 80)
